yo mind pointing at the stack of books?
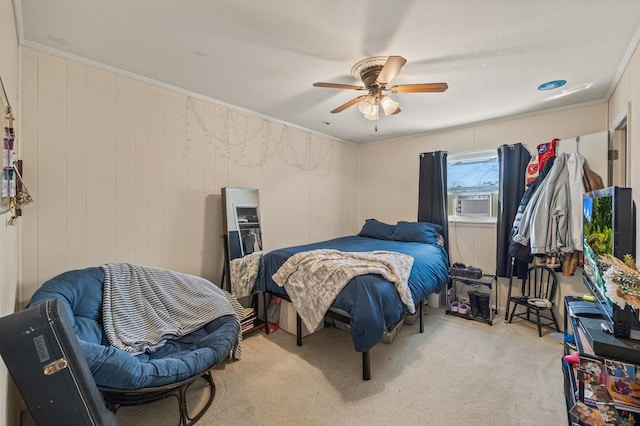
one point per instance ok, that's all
(247, 321)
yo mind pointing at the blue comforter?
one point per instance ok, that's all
(372, 302)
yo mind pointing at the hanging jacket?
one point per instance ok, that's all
(591, 179)
(519, 251)
(575, 167)
(545, 223)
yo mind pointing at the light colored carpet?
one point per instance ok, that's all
(456, 372)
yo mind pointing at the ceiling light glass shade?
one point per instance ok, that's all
(366, 106)
(372, 115)
(389, 105)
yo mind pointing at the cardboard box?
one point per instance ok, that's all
(288, 320)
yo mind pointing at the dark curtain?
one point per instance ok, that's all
(432, 191)
(513, 160)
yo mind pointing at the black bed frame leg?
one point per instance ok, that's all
(421, 314)
(366, 365)
(266, 317)
(298, 330)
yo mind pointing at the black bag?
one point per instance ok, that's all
(43, 356)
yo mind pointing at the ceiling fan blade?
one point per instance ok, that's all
(390, 69)
(419, 87)
(348, 104)
(339, 86)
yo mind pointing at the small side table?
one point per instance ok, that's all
(485, 280)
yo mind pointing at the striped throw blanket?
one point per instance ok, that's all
(142, 306)
(314, 278)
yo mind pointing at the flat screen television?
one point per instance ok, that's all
(609, 230)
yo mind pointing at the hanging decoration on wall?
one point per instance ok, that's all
(248, 141)
(22, 196)
(14, 194)
(316, 156)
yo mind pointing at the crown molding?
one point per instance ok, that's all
(633, 45)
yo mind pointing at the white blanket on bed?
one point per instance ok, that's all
(314, 278)
(142, 306)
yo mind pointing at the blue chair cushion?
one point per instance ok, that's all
(80, 293)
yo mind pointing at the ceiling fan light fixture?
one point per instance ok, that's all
(389, 106)
(367, 105)
(373, 115)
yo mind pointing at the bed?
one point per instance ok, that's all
(370, 304)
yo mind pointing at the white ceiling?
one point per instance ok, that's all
(264, 56)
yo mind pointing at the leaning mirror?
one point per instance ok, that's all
(241, 225)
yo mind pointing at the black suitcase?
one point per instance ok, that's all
(43, 356)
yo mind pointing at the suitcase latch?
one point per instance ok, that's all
(55, 366)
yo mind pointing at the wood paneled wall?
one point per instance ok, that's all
(125, 171)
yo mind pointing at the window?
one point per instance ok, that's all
(472, 186)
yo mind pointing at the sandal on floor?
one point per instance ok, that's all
(463, 309)
(455, 306)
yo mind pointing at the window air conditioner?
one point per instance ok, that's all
(473, 205)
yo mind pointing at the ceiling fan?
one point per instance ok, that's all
(376, 72)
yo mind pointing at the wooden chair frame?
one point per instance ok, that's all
(539, 282)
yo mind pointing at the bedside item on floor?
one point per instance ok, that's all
(462, 270)
(46, 362)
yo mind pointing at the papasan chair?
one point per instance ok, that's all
(147, 333)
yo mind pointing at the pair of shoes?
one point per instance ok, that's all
(463, 309)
